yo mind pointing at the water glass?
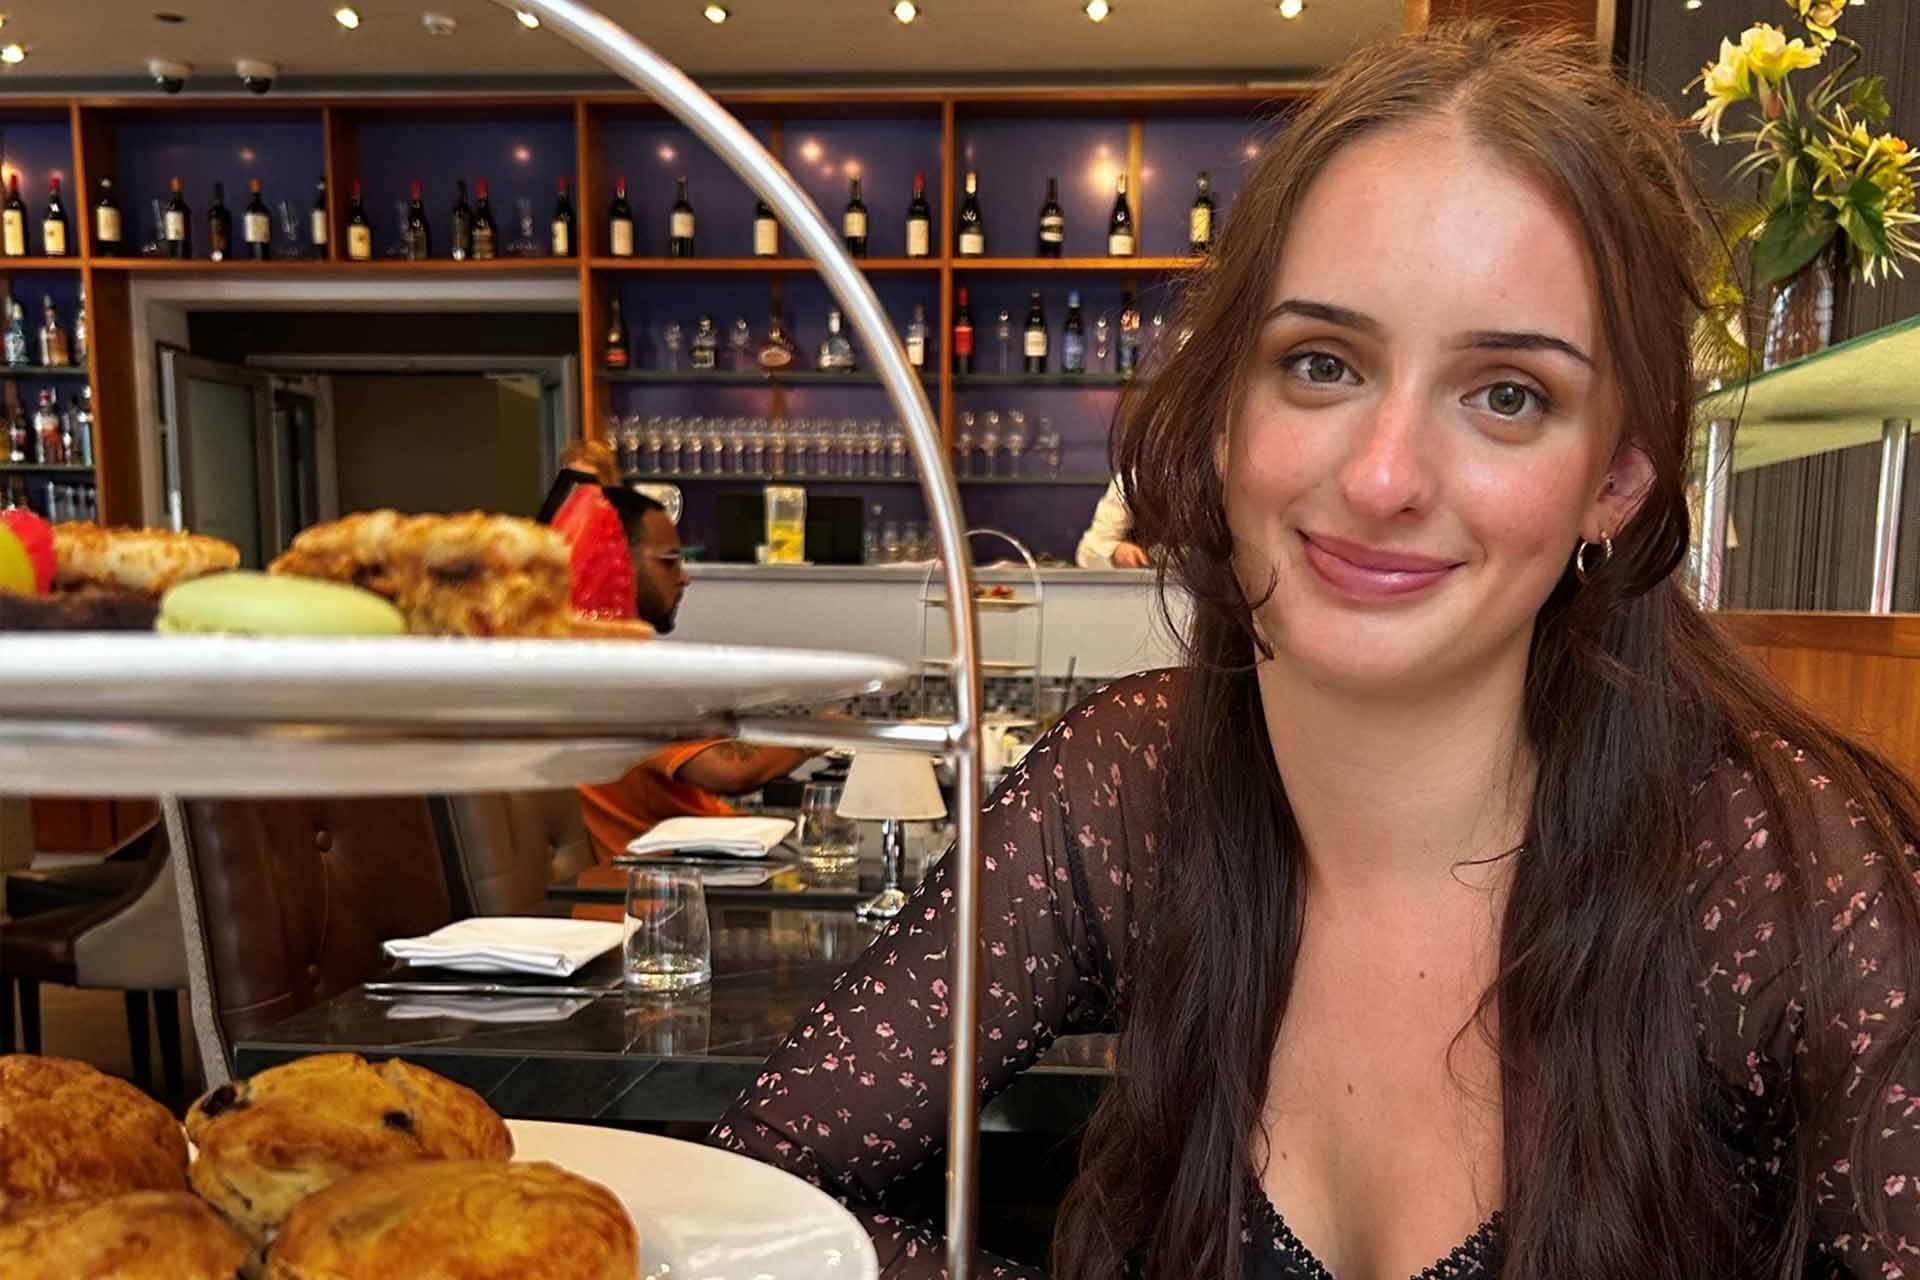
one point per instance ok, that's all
(655, 436)
(828, 842)
(963, 444)
(668, 946)
(1016, 440)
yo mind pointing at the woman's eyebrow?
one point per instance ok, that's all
(1345, 317)
(1504, 340)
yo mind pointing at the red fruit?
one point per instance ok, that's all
(602, 566)
(36, 535)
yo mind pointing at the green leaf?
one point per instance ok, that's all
(1869, 99)
(1793, 236)
(1864, 218)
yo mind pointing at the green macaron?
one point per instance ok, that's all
(244, 602)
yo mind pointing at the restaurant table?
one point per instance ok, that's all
(642, 1060)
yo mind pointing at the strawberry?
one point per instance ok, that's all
(36, 535)
(602, 566)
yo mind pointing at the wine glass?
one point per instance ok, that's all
(737, 343)
(777, 448)
(524, 245)
(1003, 330)
(847, 446)
(757, 447)
(655, 436)
(823, 447)
(874, 439)
(630, 433)
(990, 439)
(290, 250)
(695, 443)
(737, 435)
(673, 339)
(717, 445)
(890, 545)
(1016, 440)
(1050, 448)
(897, 451)
(672, 435)
(963, 444)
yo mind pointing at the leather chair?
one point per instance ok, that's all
(509, 847)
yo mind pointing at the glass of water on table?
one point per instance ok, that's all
(668, 945)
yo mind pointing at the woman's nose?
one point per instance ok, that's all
(1389, 469)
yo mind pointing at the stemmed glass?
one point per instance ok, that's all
(717, 444)
(695, 444)
(963, 444)
(990, 440)
(737, 343)
(847, 444)
(823, 446)
(1016, 440)
(897, 451)
(1049, 443)
(656, 439)
(737, 445)
(672, 436)
(874, 439)
(630, 443)
(757, 447)
(1003, 330)
(798, 431)
(671, 337)
(777, 448)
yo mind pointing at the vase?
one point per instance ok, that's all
(1806, 311)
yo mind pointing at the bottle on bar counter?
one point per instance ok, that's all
(460, 241)
(766, 231)
(917, 337)
(680, 225)
(1127, 347)
(80, 328)
(55, 353)
(419, 234)
(563, 222)
(219, 226)
(620, 222)
(14, 345)
(256, 224)
(1200, 217)
(81, 412)
(108, 223)
(853, 223)
(46, 431)
(619, 341)
(359, 229)
(19, 428)
(962, 334)
(317, 236)
(1073, 340)
(919, 220)
(705, 353)
(971, 232)
(1033, 343)
(176, 229)
(1120, 225)
(53, 227)
(1053, 222)
(484, 232)
(13, 220)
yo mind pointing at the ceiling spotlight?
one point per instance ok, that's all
(1695, 4)
(906, 11)
(1097, 10)
(347, 18)
(167, 16)
(527, 19)
(1292, 8)
(716, 14)
(439, 24)
(13, 55)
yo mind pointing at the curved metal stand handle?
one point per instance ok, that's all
(715, 126)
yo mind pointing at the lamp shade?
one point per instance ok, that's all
(892, 784)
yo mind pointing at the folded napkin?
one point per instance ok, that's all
(510, 944)
(488, 1008)
(739, 837)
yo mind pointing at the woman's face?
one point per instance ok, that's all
(1428, 425)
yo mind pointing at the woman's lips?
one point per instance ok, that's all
(1369, 573)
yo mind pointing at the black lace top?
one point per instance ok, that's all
(855, 1099)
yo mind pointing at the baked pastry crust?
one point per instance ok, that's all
(148, 560)
(69, 1132)
(146, 1235)
(459, 1220)
(267, 1143)
(471, 574)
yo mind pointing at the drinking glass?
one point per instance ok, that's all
(990, 438)
(823, 446)
(694, 444)
(290, 249)
(153, 248)
(847, 445)
(777, 448)
(717, 445)
(398, 249)
(524, 245)
(671, 338)
(799, 443)
(890, 543)
(874, 441)
(913, 542)
(963, 445)
(737, 343)
(1016, 440)
(737, 435)
(1050, 448)
(672, 436)
(757, 447)
(828, 842)
(1003, 330)
(897, 451)
(655, 435)
(668, 945)
(1102, 341)
(630, 436)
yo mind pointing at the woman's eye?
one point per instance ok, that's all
(1317, 366)
(1509, 399)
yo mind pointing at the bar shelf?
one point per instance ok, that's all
(751, 265)
(45, 469)
(1079, 264)
(1097, 380)
(680, 477)
(75, 371)
(757, 378)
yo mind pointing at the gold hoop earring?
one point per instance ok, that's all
(1580, 569)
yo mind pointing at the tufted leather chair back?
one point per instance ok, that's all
(511, 845)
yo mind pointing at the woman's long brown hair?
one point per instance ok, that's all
(1617, 1161)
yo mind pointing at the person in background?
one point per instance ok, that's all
(581, 462)
(682, 779)
(1107, 542)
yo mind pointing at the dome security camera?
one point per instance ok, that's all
(256, 75)
(169, 75)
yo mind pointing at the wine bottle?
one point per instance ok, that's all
(108, 223)
(1120, 225)
(1053, 222)
(563, 223)
(460, 247)
(1073, 340)
(962, 334)
(917, 337)
(680, 225)
(419, 234)
(219, 226)
(853, 223)
(1127, 354)
(766, 231)
(620, 222)
(54, 351)
(177, 223)
(15, 342)
(256, 224)
(1200, 217)
(13, 220)
(317, 232)
(484, 233)
(53, 227)
(619, 344)
(919, 220)
(972, 231)
(359, 230)
(1033, 343)
(80, 328)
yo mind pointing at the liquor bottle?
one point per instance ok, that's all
(80, 338)
(1127, 348)
(53, 227)
(13, 220)
(563, 221)
(705, 353)
(219, 226)
(853, 223)
(484, 232)
(777, 351)
(419, 234)
(1200, 217)
(1120, 225)
(1073, 340)
(359, 230)
(55, 353)
(81, 412)
(19, 429)
(836, 352)
(107, 223)
(917, 337)
(619, 343)
(1053, 222)
(962, 334)
(680, 225)
(461, 220)
(256, 224)
(919, 220)
(620, 222)
(971, 233)
(14, 345)
(766, 231)
(1034, 342)
(317, 235)
(177, 223)
(46, 431)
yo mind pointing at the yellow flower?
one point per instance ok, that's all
(1725, 82)
(1772, 55)
(1819, 15)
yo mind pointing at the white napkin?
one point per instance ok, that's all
(510, 944)
(488, 1008)
(738, 837)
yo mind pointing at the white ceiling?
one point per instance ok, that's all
(89, 44)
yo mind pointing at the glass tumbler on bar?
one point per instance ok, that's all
(668, 945)
(828, 842)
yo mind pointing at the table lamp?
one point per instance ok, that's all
(895, 787)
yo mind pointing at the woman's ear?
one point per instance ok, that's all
(1626, 484)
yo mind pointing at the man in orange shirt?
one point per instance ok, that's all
(684, 778)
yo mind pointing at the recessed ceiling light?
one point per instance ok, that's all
(1097, 10)
(527, 19)
(1292, 8)
(169, 17)
(347, 18)
(439, 24)
(906, 11)
(1695, 4)
(716, 14)
(13, 54)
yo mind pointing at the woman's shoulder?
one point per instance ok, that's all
(1124, 723)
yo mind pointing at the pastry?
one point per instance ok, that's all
(459, 1220)
(266, 1143)
(260, 604)
(143, 560)
(69, 1132)
(145, 1235)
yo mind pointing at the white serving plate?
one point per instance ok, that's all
(706, 1214)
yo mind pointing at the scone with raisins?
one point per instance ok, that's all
(146, 1235)
(267, 1143)
(70, 1132)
